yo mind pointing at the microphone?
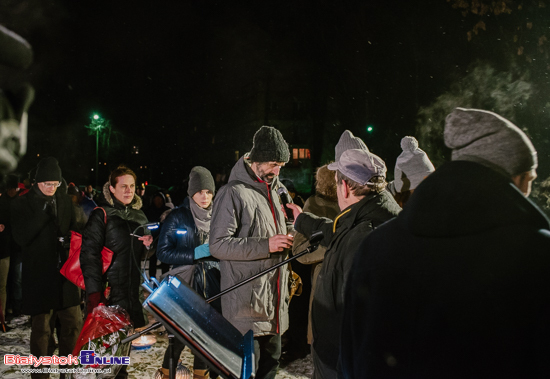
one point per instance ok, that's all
(285, 199)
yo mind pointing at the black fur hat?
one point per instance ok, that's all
(269, 146)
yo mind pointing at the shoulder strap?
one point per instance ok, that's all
(105, 213)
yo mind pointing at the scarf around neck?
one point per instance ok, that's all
(201, 216)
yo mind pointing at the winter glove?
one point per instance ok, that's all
(94, 299)
(202, 251)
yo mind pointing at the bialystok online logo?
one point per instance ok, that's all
(86, 357)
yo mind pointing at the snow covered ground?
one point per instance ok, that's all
(144, 363)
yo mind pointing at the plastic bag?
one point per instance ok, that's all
(103, 331)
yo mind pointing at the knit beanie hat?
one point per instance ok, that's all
(269, 146)
(348, 141)
(200, 179)
(489, 139)
(48, 171)
(412, 166)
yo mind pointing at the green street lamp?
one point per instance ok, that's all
(96, 125)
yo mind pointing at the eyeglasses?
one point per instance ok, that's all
(51, 185)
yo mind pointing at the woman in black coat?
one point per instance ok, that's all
(123, 215)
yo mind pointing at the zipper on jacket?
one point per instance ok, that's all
(278, 300)
(279, 270)
(272, 208)
(203, 280)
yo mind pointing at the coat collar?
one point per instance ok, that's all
(136, 203)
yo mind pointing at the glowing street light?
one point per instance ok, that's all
(97, 122)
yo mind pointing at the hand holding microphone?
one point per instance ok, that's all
(285, 200)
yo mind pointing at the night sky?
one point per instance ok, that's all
(177, 79)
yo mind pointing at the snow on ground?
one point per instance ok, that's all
(144, 363)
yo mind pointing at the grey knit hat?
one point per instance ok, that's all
(48, 170)
(412, 166)
(348, 141)
(269, 146)
(489, 139)
(200, 179)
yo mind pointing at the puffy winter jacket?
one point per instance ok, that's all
(122, 276)
(242, 223)
(178, 250)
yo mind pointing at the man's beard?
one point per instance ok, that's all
(268, 178)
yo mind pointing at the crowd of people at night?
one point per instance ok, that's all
(437, 273)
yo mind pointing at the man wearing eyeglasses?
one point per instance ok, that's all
(41, 220)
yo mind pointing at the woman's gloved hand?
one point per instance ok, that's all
(94, 299)
(202, 251)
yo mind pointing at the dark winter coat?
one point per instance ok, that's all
(322, 207)
(246, 214)
(37, 228)
(457, 286)
(122, 275)
(179, 249)
(341, 236)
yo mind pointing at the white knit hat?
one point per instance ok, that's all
(412, 166)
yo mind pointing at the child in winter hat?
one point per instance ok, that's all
(200, 179)
(411, 167)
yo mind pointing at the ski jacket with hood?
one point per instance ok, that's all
(457, 286)
(247, 212)
(122, 275)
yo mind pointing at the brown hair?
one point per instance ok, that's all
(378, 184)
(120, 171)
(325, 184)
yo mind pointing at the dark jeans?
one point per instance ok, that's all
(4, 269)
(69, 323)
(267, 351)
(164, 267)
(177, 348)
(15, 291)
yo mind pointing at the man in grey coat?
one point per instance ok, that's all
(248, 234)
